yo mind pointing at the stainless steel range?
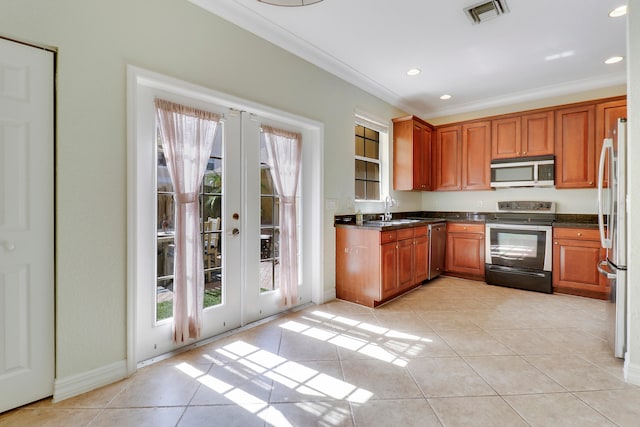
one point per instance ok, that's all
(518, 245)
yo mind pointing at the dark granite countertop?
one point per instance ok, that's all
(417, 218)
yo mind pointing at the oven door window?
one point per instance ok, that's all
(518, 248)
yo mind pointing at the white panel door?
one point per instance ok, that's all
(26, 224)
(223, 276)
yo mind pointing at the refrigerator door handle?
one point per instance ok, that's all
(603, 268)
(607, 145)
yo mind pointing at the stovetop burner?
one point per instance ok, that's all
(524, 212)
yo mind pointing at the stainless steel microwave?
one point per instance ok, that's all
(523, 172)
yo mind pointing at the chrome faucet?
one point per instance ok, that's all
(388, 202)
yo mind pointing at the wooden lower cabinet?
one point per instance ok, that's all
(576, 254)
(465, 250)
(375, 266)
(389, 274)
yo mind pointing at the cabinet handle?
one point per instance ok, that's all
(464, 228)
(346, 250)
(555, 243)
(524, 153)
(579, 233)
(590, 182)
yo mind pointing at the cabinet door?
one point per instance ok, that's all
(575, 268)
(406, 257)
(575, 147)
(607, 115)
(465, 253)
(356, 268)
(448, 158)
(538, 134)
(403, 165)
(421, 259)
(389, 269)
(422, 157)
(476, 156)
(505, 138)
(412, 168)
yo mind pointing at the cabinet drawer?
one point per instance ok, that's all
(405, 233)
(388, 236)
(420, 231)
(459, 227)
(576, 233)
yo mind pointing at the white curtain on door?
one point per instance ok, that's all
(284, 151)
(187, 138)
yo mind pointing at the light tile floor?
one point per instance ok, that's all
(451, 353)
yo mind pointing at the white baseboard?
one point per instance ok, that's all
(71, 386)
(329, 295)
(631, 371)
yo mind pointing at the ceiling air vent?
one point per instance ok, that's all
(487, 10)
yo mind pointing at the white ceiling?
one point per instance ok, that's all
(541, 48)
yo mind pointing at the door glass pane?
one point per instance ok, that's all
(269, 221)
(212, 222)
(165, 236)
(211, 193)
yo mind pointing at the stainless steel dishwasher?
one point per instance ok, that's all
(437, 240)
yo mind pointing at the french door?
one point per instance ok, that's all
(26, 224)
(239, 228)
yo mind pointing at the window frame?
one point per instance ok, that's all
(368, 121)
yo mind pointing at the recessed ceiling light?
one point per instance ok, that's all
(445, 97)
(613, 60)
(618, 11)
(413, 71)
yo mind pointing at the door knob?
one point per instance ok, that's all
(9, 246)
(235, 231)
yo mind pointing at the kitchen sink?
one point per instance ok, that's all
(390, 222)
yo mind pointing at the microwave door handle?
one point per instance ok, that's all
(606, 146)
(535, 173)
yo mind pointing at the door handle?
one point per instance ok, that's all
(235, 231)
(603, 268)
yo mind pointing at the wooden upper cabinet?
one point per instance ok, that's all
(575, 147)
(538, 134)
(522, 136)
(448, 158)
(476, 156)
(607, 115)
(506, 138)
(411, 154)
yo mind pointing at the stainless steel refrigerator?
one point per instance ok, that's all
(612, 219)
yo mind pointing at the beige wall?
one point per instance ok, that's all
(95, 42)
